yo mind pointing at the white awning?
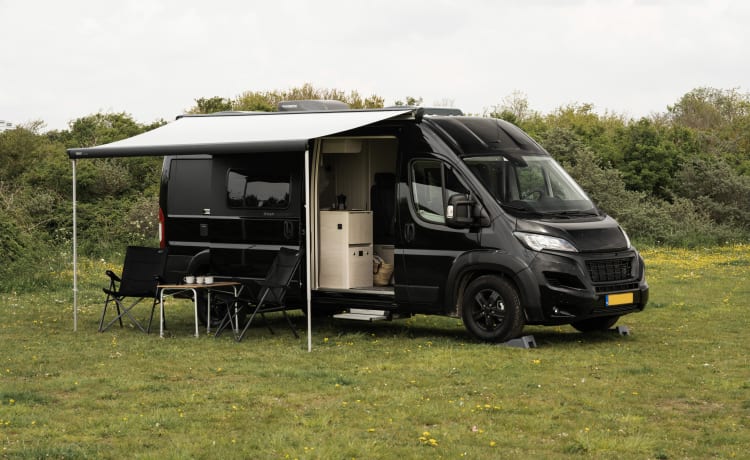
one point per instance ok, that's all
(238, 132)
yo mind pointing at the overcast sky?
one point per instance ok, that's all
(61, 60)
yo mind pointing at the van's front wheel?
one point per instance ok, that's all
(491, 309)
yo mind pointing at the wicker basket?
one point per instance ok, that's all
(383, 276)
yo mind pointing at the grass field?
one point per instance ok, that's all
(677, 387)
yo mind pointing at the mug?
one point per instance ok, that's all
(199, 280)
(189, 279)
(208, 279)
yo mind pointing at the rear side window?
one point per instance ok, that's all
(189, 186)
(253, 191)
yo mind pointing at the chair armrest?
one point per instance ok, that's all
(112, 275)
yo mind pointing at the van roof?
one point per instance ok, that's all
(474, 135)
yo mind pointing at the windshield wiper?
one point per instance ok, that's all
(525, 210)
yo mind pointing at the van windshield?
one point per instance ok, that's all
(531, 184)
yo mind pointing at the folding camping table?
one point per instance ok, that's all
(167, 290)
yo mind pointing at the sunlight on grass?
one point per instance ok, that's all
(678, 387)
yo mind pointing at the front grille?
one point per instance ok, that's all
(609, 270)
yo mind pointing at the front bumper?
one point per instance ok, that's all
(578, 286)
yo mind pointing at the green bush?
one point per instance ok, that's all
(715, 187)
(13, 243)
(27, 260)
(646, 218)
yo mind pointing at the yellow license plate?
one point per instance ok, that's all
(619, 299)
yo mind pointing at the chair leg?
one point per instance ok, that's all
(104, 313)
(230, 318)
(239, 337)
(151, 318)
(255, 312)
(122, 310)
(291, 325)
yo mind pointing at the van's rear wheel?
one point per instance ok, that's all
(596, 324)
(491, 309)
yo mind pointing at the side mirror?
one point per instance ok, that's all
(463, 212)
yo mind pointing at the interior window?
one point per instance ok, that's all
(432, 182)
(255, 192)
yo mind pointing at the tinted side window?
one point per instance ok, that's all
(251, 191)
(189, 186)
(432, 182)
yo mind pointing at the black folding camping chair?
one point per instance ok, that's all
(141, 273)
(270, 296)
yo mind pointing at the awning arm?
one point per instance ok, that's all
(75, 252)
(308, 250)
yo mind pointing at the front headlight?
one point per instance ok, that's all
(537, 242)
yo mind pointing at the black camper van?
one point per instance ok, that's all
(474, 217)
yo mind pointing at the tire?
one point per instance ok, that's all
(491, 309)
(595, 324)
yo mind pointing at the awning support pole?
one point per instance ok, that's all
(308, 250)
(75, 252)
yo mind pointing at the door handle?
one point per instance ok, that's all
(409, 232)
(288, 229)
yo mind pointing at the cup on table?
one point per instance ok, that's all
(208, 279)
(199, 280)
(189, 279)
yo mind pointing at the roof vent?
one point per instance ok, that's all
(312, 105)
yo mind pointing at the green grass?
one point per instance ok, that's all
(677, 387)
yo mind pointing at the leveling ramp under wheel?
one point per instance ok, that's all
(622, 330)
(526, 341)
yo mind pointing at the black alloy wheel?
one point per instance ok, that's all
(492, 309)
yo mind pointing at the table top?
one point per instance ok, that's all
(199, 286)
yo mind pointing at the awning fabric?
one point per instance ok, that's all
(238, 132)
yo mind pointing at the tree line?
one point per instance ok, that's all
(679, 178)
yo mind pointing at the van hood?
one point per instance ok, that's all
(596, 234)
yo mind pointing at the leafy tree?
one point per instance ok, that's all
(268, 101)
(721, 120)
(257, 102)
(22, 148)
(211, 105)
(514, 108)
(715, 187)
(710, 108)
(649, 158)
(563, 144)
(645, 217)
(101, 128)
(409, 101)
